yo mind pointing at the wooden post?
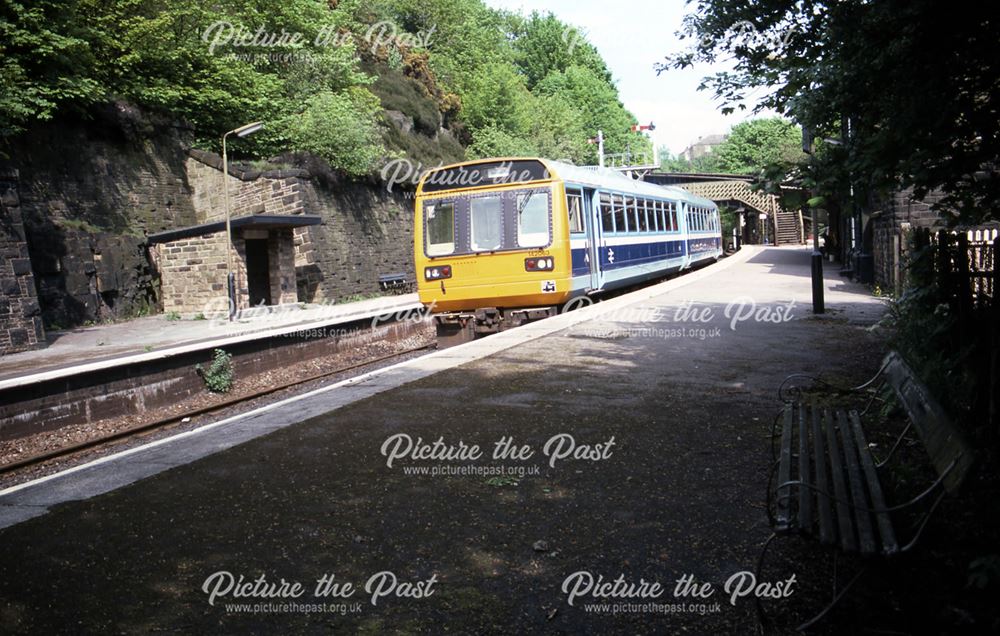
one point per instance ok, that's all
(942, 266)
(897, 282)
(994, 384)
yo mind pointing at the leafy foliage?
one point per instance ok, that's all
(332, 126)
(503, 83)
(218, 376)
(753, 145)
(910, 86)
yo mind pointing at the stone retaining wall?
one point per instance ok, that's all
(20, 314)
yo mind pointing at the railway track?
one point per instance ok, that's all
(100, 443)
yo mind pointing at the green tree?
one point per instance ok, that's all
(543, 44)
(340, 127)
(491, 141)
(497, 97)
(910, 85)
(599, 107)
(753, 145)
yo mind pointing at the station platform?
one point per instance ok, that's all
(646, 421)
(154, 337)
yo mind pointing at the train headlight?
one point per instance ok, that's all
(438, 272)
(543, 264)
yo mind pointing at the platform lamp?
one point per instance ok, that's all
(242, 131)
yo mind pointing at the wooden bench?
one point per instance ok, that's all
(828, 485)
(395, 281)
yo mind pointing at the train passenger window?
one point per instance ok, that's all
(533, 219)
(486, 223)
(574, 206)
(607, 213)
(621, 223)
(673, 218)
(630, 216)
(440, 223)
(655, 216)
(664, 212)
(640, 212)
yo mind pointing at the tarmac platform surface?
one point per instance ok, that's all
(661, 401)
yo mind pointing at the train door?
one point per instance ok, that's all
(593, 217)
(682, 220)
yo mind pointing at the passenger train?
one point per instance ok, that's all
(501, 241)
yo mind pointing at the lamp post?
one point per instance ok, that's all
(242, 131)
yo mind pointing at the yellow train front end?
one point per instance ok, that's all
(491, 243)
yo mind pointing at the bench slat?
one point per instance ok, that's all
(945, 444)
(806, 493)
(862, 518)
(784, 472)
(889, 542)
(823, 501)
(847, 541)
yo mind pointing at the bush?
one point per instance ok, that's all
(219, 375)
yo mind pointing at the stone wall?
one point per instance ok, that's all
(366, 231)
(193, 274)
(250, 191)
(891, 227)
(90, 191)
(20, 314)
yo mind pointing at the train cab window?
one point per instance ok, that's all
(640, 212)
(621, 223)
(574, 206)
(486, 223)
(533, 219)
(607, 213)
(440, 221)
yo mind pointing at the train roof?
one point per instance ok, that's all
(594, 176)
(613, 179)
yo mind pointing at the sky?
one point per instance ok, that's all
(632, 35)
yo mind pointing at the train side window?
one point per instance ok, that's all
(486, 223)
(657, 219)
(621, 224)
(640, 215)
(607, 213)
(440, 228)
(665, 216)
(674, 225)
(574, 206)
(533, 219)
(630, 216)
